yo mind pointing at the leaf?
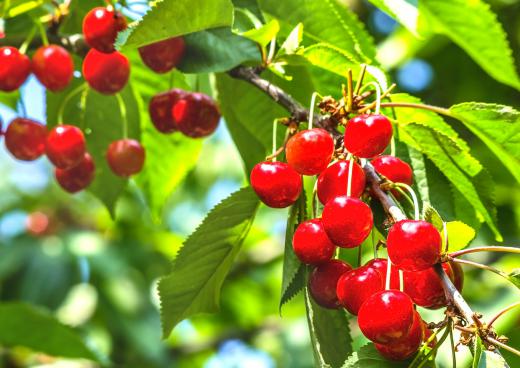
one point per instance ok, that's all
(514, 277)
(491, 359)
(498, 126)
(206, 257)
(10, 99)
(419, 175)
(17, 7)
(368, 357)
(217, 50)
(292, 42)
(404, 11)
(24, 325)
(264, 34)
(459, 235)
(175, 18)
(431, 215)
(330, 334)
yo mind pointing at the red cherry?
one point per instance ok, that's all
(160, 109)
(25, 139)
(394, 170)
(65, 146)
(309, 151)
(77, 178)
(15, 67)
(106, 73)
(356, 286)
(367, 136)
(311, 244)
(458, 275)
(406, 347)
(347, 221)
(386, 317)
(276, 183)
(125, 157)
(163, 56)
(425, 287)
(100, 28)
(196, 115)
(414, 245)
(381, 266)
(53, 66)
(333, 181)
(323, 281)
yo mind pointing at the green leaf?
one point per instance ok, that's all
(431, 215)
(264, 34)
(10, 99)
(491, 359)
(514, 277)
(498, 126)
(203, 262)
(368, 357)
(459, 235)
(34, 328)
(330, 334)
(17, 7)
(292, 42)
(419, 174)
(175, 18)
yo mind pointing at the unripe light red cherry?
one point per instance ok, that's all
(25, 139)
(394, 170)
(347, 221)
(106, 73)
(100, 28)
(333, 181)
(276, 183)
(323, 282)
(15, 67)
(65, 146)
(367, 136)
(196, 115)
(386, 317)
(407, 346)
(160, 109)
(414, 245)
(356, 286)
(458, 275)
(53, 66)
(425, 287)
(311, 244)
(381, 266)
(309, 151)
(163, 56)
(77, 178)
(125, 157)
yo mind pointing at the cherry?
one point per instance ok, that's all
(381, 266)
(323, 281)
(160, 109)
(276, 183)
(367, 136)
(347, 221)
(53, 66)
(78, 177)
(458, 275)
(163, 56)
(65, 146)
(196, 115)
(311, 244)
(15, 67)
(25, 139)
(406, 347)
(106, 73)
(394, 170)
(100, 28)
(425, 287)
(386, 317)
(356, 286)
(333, 181)
(309, 151)
(125, 157)
(414, 245)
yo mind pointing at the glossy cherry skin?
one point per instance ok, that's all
(160, 109)
(196, 115)
(106, 73)
(425, 287)
(381, 266)
(53, 66)
(356, 286)
(100, 28)
(323, 282)
(309, 151)
(77, 178)
(347, 221)
(386, 317)
(311, 244)
(163, 56)
(15, 67)
(125, 157)
(367, 136)
(276, 183)
(407, 346)
(65, 146)
(25, 139)
(394, 169)
(414, 245)
(458, 275)
(333, 181)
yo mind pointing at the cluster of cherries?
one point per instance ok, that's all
(106, 71)
(386, 312)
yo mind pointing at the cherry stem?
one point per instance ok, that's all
(446, 238)
(502, 312)
(452, 344)
(350, 91)
(426, 343)
(481, 266)
(436, 109)
(388, 273)
(66, 100)
(436, 347)
(275, 126)
(28, 40)
(377, 102)
(349, 179)
(360, 79)
(485, 249)
(405, 195)
(311, 110)
(122, 109)
(315, 200)
(401, 280)
(502, 345)
(43, 33)
(414, 197)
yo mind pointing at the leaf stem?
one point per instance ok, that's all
(67, 99)
(436, 109)
(502, 345)
(27, 42)
(502, 312)
(480, 265)
(485, 249)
